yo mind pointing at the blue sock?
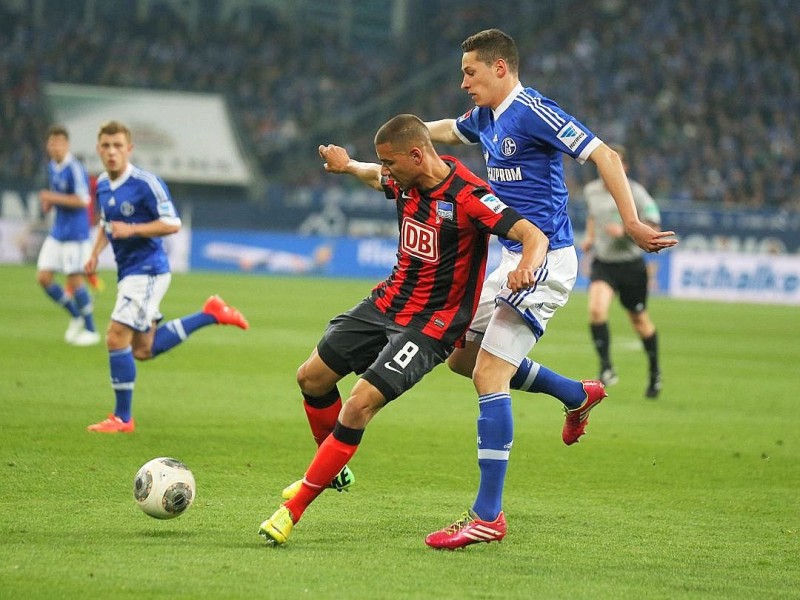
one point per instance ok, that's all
(533, 377)
(84, 303)
(495, 436)
(123, 376)
(56, 292)
(176, 331)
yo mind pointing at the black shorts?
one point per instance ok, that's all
(391, 357)
(629, 279)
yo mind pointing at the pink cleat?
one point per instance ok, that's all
(113, 424)
(469, 529)
(578, 418)
(224, 313)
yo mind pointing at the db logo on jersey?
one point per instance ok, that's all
(420, 240)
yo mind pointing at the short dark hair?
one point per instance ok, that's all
(57, 130)
(404, 131)
(492, 45)
(114, 127)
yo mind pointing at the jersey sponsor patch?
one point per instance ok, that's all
(165, 209)
(420, 240)
(493, 203)
(444, 210)
(571, 135)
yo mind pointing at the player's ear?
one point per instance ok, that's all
(500, 67)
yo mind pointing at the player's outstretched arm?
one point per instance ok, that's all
(442, 131)
(611, 171)
(338, 161)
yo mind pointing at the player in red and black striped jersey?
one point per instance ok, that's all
(434, 287)
(411, 321)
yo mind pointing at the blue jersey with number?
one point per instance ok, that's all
(69, 177)
(137, 196)
(523, 142)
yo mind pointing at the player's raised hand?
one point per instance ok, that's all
(335, 157)
(649, 239)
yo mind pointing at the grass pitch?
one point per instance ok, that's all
(690, 496)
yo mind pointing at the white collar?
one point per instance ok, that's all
(508, 100)
(60, 165)
(115, 183)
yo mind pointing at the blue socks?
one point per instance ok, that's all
(176, 331)
(56, 292)
(533, 377)
(83, 302)
(123, 377)
(495, 436)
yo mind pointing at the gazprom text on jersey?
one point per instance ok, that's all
(498, 174)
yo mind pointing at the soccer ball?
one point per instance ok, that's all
(164, 488)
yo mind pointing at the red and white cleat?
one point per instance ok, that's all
(578, 418)
(469, 529)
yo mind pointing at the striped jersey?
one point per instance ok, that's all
(136, 196)
(523, 142)
(69, 177)
(441, 255)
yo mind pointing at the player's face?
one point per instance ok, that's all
(480, 80)
(401, 165)
(114, 150)
(57, 147)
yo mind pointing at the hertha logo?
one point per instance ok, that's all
(420, 240)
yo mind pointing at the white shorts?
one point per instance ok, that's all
(139, 300)
(63, 257)
(509, 324)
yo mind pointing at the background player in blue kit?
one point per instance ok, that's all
(524, 136)
(67, 246)
(136, 211)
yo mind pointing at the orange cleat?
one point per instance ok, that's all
(96, 282)
(113, 424)
(578, 418)
(224, 314)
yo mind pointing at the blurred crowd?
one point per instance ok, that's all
(705, 95)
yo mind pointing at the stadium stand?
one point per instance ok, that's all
(704, 94)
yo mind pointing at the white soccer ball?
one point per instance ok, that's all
(164, 488)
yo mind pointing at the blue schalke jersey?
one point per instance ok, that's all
(137, 196)
(523, 142)
(69, 177)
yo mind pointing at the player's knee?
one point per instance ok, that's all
(597, 314)
(359, 410)
(44, 278)
(457, 365)
(142, 353)
(304, 381)
(313, 384)
(462, 360)
(485, 379)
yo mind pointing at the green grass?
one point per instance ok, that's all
(691, 496)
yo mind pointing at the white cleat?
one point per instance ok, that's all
(74, 328)
(86, 338)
